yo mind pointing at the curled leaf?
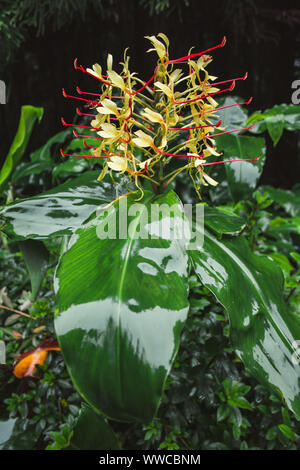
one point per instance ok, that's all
(26, 363)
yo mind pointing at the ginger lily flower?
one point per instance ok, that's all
(139, 124)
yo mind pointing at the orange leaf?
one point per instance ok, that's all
(26, 363)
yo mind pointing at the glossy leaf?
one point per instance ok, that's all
(36, 258)
(234, 117)
(92, 432)
(263, 332)
(29, 115)
(288, 199)
(70, 167)
(32, 168)
(59, 211)
(275, 120)
(222, 222)
(242, 177)
(17, 434)
(122, 304)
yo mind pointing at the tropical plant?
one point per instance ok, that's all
(122, 287)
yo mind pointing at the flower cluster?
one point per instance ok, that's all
(139, 126)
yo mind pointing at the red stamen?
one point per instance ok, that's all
(229, 106)
(196, 127)
(190, 56)
(228, 132)
(84, 156)
(80, 113)
(77, 98)
(232, 161)
(96, 94)
(87, 92)
(87, 136)
(80, 67)
(92, 146)
(227, 81)
(142, 171)
(206, 96)
(132, 93)
(177, 154)
(77, 125)
(92, 115)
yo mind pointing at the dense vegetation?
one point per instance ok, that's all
(215, 397)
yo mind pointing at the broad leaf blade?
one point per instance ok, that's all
(263, 333)
(222, 222)
(275, 120)
(59, 211)
(242, 177)
(36, 258)
(29, 115)
(122, 305)
(92, 432)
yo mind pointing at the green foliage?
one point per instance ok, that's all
(275, 120)
(29, 115)
(207, 398)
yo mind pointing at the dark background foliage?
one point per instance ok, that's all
(40, 39)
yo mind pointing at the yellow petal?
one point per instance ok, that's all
(109, 61)
(164, 88)
(164, 38)
(175, 75)
(159, 47)
(96, 70)
(108, 107)
(209, 179)
(143, 164)
(117, 163)
(198, 160)
(116, 79)
(212, 151)
(152, 115)
(109, 131)
(97, 121)
(142, 139)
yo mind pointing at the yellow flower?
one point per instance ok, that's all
(143, 125)
(143, 139)
(117, 163)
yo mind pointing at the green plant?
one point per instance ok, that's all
(128, 337)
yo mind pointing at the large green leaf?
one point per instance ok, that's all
(32, 168)
(59, 211)
(222, 222)
(36, 258)
(122, 304)
(92, 432)
(29, 115)
(263, 332)
(275, 120)
(242, 177)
